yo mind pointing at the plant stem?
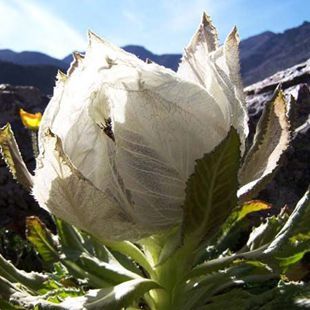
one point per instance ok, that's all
(170, 275)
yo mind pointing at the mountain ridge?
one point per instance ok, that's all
(29, 58)
(260, 56)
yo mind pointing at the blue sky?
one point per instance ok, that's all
(58, 27)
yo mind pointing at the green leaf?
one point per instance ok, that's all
(127, 263)
(79, 255)
(70, 239)
(290, 254)
(286, 296)
(224, 262)
(42, 240)
(250, 207)
(211, 190)
(6, 288)
(242, 273)
(266, 232)
(68, 254)
(131, 250)
(31, 280)
(74, 242)
(96, 248)
(290, 295)
(77, 270)
(27, 301)
(236, 299)
(271, 140)
(60, 294)
(236, 225)
(293, 241)
(18, 287)
(7, 306)
(113, 298)
(11, 155)
(111, 273)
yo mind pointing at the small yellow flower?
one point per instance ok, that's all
(30, 121)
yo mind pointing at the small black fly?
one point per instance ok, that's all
(107, 128)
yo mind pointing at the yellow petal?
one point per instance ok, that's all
(30, 121)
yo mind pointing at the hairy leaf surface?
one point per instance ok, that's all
(11, 155)
(270, 142)
(211, 190)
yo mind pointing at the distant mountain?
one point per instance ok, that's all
(30, 58)
(267, 53)
(168, 60)
(261, 56)
(67, 59)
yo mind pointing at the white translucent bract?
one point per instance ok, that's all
(120, 137)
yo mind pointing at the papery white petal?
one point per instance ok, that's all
(67, 115)
(217, 69)
(130, 133)
(161, 125)
(196, 64)
(168, 125)
(61, 189)
(228, 67)
(52, 108)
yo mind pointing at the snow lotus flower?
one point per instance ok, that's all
(120, 136)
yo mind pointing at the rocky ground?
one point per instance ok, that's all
(289, 184)
(15, 202)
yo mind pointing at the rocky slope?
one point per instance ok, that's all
(40, 76)
(15, 202)
(293, 177)
(290, 183)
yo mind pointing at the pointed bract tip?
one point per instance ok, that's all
(233, 36)
(90, 33)
(78, 56)
(61, 76)
(77, 60)
(279, 88)
(5, 127)
(278, 92)
(93, 37)
(235, 29)
(208, 32)
(206, 19)
(3, 131)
